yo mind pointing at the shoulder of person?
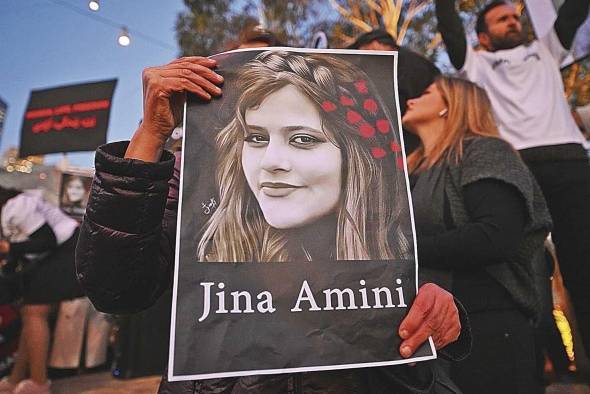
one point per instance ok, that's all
(488, 157)
(487, 146)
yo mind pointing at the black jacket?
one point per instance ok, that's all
(125, 259)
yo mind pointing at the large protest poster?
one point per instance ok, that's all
(67, 118)
(295, 243)
(543, 14)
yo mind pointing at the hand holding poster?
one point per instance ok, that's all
(295, 246)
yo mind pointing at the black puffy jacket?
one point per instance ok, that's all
(125, 259)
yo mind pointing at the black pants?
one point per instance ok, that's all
(502, 359)
(566, 186)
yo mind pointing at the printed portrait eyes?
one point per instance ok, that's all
(256, 138)
(297, 140)
(304, 140)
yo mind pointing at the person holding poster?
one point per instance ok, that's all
(525, 86)
(481, 217)
(129, 236)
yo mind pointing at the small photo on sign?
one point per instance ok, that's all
(74, 192)
(295, 241)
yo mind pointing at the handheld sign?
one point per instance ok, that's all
(295, 244)
(67, 118)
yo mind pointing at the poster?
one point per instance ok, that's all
(74, 191)
(67, 118)
(543, 14)
(295, 242)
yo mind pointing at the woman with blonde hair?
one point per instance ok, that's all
(310, 155)
(480, 220)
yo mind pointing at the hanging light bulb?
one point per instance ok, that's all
(124, 39)
(94, 5)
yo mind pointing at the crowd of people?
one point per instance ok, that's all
(496, 161)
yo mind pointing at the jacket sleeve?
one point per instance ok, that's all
(125, 252)
(570, 17)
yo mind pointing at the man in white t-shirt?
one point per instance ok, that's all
(524, 84)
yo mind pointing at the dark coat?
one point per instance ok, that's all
(125, 259)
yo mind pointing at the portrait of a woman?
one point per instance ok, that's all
(309, 167)
(74, 194)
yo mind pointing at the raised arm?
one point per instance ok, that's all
(164, 88)
(570, 17)
(451, 29)
(125, 252)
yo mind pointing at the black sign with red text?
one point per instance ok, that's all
(67, 118)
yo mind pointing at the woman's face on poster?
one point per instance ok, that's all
(75, 190)
(290, 165)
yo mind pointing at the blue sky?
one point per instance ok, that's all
(43, 44)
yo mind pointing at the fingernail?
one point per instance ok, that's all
(219, 78)
(403, 334)
(406, 351)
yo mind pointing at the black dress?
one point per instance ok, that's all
(42, 241)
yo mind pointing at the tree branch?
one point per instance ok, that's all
(412, 11)
(361, 24)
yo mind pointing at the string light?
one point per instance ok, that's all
(94, 5)
(109, 22)
(124, 39)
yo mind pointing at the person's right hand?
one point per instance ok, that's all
(163, 96)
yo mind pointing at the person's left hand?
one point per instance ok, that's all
(433, 313)
(4, 247)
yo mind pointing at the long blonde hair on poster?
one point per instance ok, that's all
(373, 196)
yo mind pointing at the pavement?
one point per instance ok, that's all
(567, 388)
(104, 383)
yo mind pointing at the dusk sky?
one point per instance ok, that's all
(44, 44)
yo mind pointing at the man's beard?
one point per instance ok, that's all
(510, 40)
